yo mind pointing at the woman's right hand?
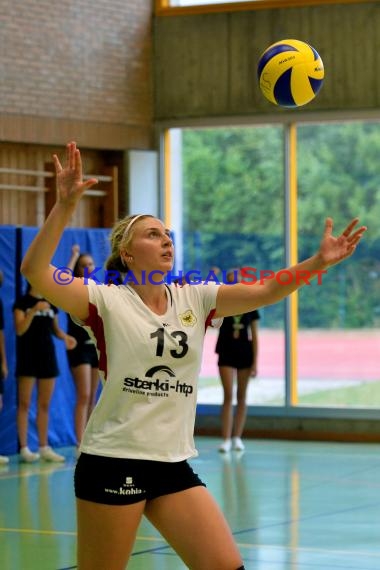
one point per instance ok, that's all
(70, 184)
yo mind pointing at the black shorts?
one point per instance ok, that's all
(83, 353)
(240, 359)
(113, 481)
(37, 366)
(1, 385)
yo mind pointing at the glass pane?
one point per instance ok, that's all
(228, 194)
(338, 341)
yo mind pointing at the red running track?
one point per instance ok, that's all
(324, 355)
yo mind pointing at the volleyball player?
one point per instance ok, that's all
(139, 438)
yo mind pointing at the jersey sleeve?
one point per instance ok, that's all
(99, 298)
(205, 296)
(97, 303)
(254, 315)
(96, 294)
(216, 323)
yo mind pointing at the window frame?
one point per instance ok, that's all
(291, 407)
(163, 8)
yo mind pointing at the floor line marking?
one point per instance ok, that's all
(68, 533)
(308, 549)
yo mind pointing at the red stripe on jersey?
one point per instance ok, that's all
(95, 322)
(209, 318)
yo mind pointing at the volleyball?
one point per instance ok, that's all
(290, 73)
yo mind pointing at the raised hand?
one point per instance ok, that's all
(334, 249)
(70, 184)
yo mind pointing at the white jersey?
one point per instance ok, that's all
(150, 365)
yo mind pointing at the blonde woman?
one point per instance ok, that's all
(139, 438)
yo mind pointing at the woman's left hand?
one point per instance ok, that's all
(334, 249)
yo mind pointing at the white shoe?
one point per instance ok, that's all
(4, 460)
(225, 447)
(47, 454)
(28, 456)
(237, 444)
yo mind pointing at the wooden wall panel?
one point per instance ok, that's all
(88, 134)
(205, 64)
(20, 205)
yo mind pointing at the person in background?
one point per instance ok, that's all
(36, 321)
(3, 362)
(140, 436)
(83, 359)
(237, 347)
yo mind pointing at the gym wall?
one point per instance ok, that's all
(205, 65)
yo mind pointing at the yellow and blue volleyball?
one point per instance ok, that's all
(290, 73)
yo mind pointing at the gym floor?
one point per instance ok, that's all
(291, 506)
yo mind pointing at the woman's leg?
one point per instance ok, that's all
(227, 377)
(82, 380)
(195, 527)
(45, 392)
(106, 534)
(25, 386)
(243, 377)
